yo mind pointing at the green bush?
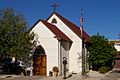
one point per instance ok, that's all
(104, 69)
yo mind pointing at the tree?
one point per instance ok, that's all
(101, 52)
(15, 40)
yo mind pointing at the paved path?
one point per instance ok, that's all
(113, 75)
(92, 75)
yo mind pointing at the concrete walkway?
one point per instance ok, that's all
(92, 75)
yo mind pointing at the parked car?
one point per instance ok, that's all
(11, 68)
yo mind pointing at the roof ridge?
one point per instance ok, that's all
(73, 27)
(50, 15)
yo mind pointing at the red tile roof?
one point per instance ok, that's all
(72, 26)
(59, 34)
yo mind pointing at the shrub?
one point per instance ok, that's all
(104, 69)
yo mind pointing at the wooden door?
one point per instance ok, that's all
(39, 65)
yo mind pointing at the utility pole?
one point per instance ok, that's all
(83, 58)
(83, 44)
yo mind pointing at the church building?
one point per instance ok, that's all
(57, 38)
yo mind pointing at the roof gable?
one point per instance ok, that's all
(72, 26)
(59, 34)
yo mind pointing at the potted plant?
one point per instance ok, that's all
(55, 71)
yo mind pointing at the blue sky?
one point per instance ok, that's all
(100, 16)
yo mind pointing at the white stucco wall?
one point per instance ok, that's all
(49, 43)
(76, 47)
(65, 53)
(75, 63)
(117, 46)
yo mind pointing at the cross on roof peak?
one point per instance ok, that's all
(54, 5)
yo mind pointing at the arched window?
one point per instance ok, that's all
(54, 21)
(39, 51)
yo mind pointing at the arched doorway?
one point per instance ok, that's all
(39, 61)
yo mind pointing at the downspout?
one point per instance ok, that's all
(59, 58)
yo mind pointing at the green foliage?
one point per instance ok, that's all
(104, 69)
(102, 52)
(15, 40)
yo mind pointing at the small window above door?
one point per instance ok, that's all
(39, 50)
(54, 20)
